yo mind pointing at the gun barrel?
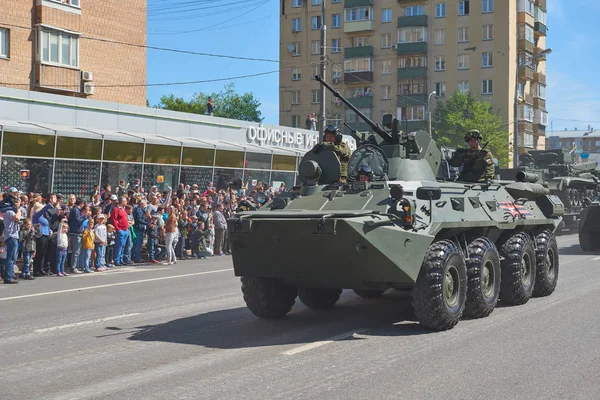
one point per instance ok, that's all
(376, 128)
(527, 177)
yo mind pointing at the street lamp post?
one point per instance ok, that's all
(429, 111)
(541, 55)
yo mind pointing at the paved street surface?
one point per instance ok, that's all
(183, 332)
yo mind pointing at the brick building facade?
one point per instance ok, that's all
(68, 47)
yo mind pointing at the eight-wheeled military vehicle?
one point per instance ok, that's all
(589, 224)
(557, 170)
(458, 247)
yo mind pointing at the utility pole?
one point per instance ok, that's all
(323, 67)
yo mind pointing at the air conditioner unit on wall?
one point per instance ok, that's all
(394, 46)
(88, 88)
(87, 76)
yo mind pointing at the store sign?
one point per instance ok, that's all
(281, 138)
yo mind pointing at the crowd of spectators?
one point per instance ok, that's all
(58, 235)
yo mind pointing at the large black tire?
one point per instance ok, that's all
(268, 298)
(483, 272)
(518, 269)
(369, 294)
(321, 299)
(546, 264)
(441, 290)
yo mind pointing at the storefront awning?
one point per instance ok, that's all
(25, 127)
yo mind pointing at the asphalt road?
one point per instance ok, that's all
(183, 332)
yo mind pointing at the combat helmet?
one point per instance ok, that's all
(364, 170)
(332, 129)
(473, 133)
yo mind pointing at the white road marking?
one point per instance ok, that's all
(314, 345)
(95, 321)
(115, 284)
(595, 258)
(118, 271)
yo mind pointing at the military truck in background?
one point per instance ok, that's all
(556, 169)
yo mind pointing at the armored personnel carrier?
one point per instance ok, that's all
(458, 247)
(557, 170)
(589, 224)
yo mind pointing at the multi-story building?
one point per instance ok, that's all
(75, 48)
(585, 144)
(388, 56)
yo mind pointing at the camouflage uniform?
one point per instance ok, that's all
(343, 152)
(478, 165)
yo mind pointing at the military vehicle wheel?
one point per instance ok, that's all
(369, 294)
(483, 272)
(320, 299)
(441, 289)
(546, 264)
(268, 298)
(518, 269)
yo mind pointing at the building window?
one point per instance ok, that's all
(415, 113)
(314, 96)
(358, 14)
(386, 15)
(359, 91)
(521, 89)
(316, 2)
(411, 86)
(357, 65)
(295, 121)
(487, 60)
(296, 3)
(487, 6)
(487, 32)
(412, 35)
(59, 47)
(353, 118)
(527, 6)
(440, 89)
(359, 41)
(296, 74)
(74, 3)
(526, 32)
(335, 1)
(386, 67)
(526, 113)
(296, 24)
(386, 40)
(316, 23)
(463, 61)
(440, 10)
(412, 61)
(314, 71)
(463, 35)
(439, 63)
(486, 86)
(315, 47)
(463, 7)
(439, 36)
(540, 15)
(336, 72)
(4, 43)
(540, 91)
(463, 86)
(296, 97)
(336, 20)
(335, 46)
(413, 11)
(386, 92)
(296, 49)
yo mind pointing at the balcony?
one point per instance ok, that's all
(58, 78)
(526, 45)
(539, 130)
(540, 29)
(412, 100)
(354, 52)
(539, 103)
(409, 73)
(358, 77)
(541, 4)
(409, 48)
(525, 73)
(417, 20)
(525, 126)
(358, 26)
(528, 98)
(540, 77)
(357, 3)
(361, 101)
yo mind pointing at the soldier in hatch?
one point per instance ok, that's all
(478, 164)
(332, 141)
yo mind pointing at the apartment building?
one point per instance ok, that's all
(75, 48)
(585, 144)
(387, 56)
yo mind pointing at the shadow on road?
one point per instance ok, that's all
(238, 328)
(575, 250)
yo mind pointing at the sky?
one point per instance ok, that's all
(251, 29)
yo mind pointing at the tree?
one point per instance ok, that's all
(228, 104)
(462, 112)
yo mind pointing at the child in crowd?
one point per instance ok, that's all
(27, 239)
(62, 243)
(199, 240)
(153, 232)
(87, 244)
(110, 245)
(100, 242)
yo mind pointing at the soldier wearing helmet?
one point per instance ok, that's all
(364, 174)
(332, 141)
(478, 164)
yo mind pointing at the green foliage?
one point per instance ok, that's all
(228, 104)
(461, 113)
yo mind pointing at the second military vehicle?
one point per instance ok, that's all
(589, 224)
(459, 247)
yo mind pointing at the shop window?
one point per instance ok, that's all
(123, 151)
(230, 159)
(159, 154)
(254, 178)
(86, 149)
(284, 163)
(160, 176)
(198, 156)
(224, 176)
(198, 175)
(28, 145)
(112, 173)
(257, 161)
(288, 178)
(76, 177)
(39, 177)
